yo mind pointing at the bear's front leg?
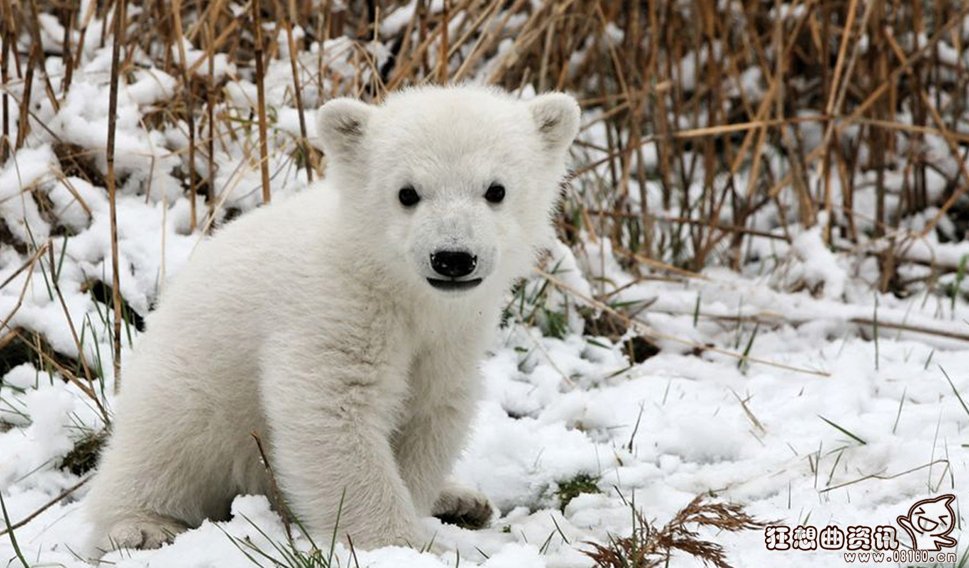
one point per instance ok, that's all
(426, 450)
(330, 423)
(428, 444)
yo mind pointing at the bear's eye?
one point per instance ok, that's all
(495, 193)
(408, 196)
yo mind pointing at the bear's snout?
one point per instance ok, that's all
(453, 263)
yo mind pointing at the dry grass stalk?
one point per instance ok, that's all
(63, 495)
(189, 110)
(307, 149)
(261, 100)
(119, 39)
(210, 110)
(276, 495)
(7, 37)
(648, 547)
(81, 356)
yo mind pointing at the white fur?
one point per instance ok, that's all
(312, 323)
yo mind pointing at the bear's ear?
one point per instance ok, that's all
(556, 116)
(340, 125)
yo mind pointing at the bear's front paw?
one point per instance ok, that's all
(463, 507)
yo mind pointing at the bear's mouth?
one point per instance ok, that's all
(449, 284)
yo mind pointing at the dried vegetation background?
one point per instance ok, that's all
(721, 108)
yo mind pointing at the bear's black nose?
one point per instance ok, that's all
(453, 263)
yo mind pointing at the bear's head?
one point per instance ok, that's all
(456, 184)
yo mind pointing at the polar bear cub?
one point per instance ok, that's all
(343, 326)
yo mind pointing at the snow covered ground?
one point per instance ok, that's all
(680, 423)
(789, 387)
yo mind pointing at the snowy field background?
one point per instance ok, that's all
(811, 376)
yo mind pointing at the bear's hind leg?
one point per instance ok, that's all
(145, 530)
